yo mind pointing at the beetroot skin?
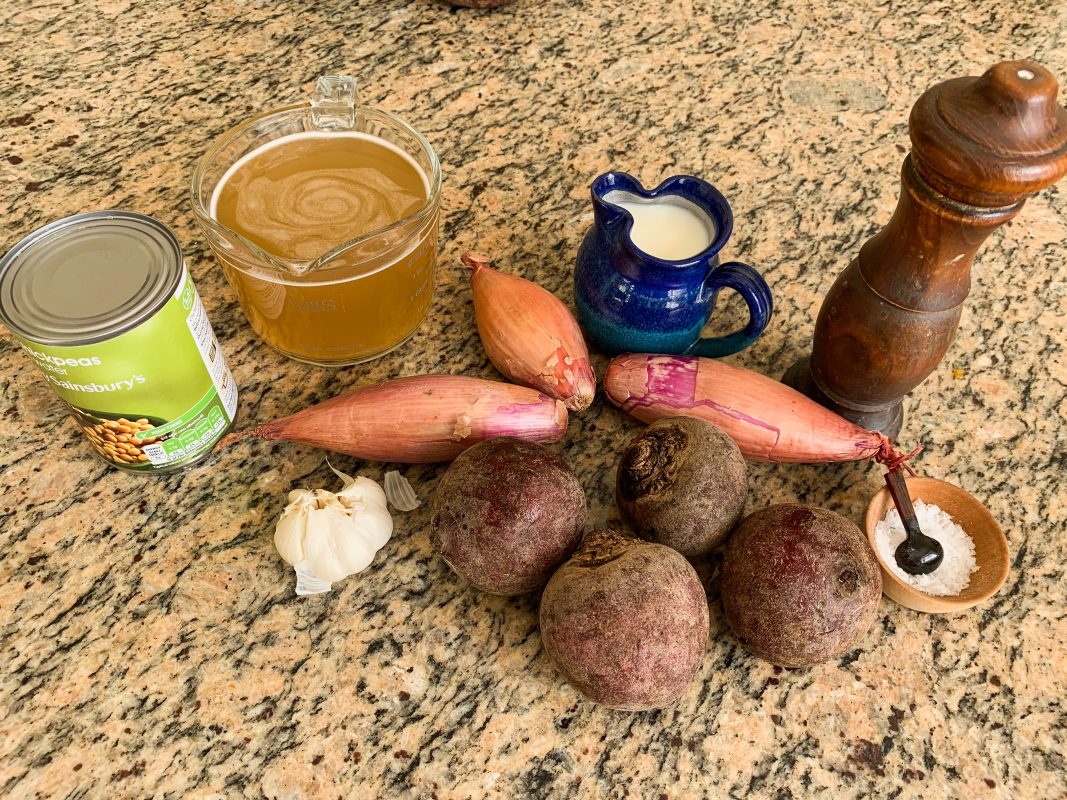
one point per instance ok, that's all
(507, 512)
(682, 482)
(626, 622)
(800, 585)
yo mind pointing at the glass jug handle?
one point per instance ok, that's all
(333, 103)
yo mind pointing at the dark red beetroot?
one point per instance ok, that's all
(682, 482)
(626, 622)
(507, 512)
(800, 585)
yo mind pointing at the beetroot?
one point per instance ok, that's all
(800, 585)
(626, 622)
(682, 482)
(506, 514)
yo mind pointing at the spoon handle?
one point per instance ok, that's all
(894, 479)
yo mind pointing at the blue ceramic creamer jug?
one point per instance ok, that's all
(631, 301)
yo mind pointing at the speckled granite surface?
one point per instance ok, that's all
(152, 644)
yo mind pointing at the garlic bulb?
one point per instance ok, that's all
(327, 536)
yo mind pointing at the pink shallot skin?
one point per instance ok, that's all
(530, 335)
(768, 420)
(419, 420)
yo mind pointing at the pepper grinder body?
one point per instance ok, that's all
(891, 316)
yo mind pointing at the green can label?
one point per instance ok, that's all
(153, 398)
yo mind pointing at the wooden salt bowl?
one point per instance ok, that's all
(990, 546)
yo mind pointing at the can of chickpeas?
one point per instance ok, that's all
(105, 308)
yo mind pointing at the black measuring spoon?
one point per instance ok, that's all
(918, 554)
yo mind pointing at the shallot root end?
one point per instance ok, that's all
(894, 459)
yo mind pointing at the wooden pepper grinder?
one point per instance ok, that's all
(980, 147)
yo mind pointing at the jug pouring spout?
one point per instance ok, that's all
(662, 233)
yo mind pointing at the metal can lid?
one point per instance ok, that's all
(89, 277)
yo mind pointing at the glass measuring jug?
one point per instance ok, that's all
(300, 208)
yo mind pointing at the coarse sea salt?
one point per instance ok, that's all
(954, 574)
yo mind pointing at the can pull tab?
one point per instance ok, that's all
(333, 104)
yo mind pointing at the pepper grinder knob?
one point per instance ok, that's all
(980, 147)
(992, 140)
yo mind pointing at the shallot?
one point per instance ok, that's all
(530, 335)
(768, 420)
(418, 420)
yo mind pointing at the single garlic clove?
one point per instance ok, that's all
(291, 530)
(399, 492)
(301, 498)
(362, 493)
(353, 550)
(530, 335)
(377, 528)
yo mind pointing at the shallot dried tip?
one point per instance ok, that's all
(476, 261)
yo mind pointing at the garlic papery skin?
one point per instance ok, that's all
(307, 583)
(328, 536)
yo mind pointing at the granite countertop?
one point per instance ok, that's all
(152, 643)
